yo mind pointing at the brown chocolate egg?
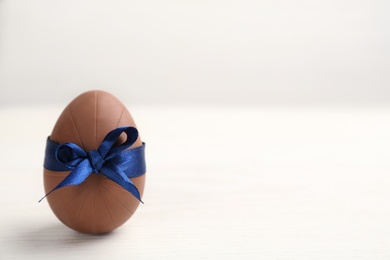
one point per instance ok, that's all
(98, 205)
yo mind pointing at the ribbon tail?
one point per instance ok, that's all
(75, 177)
(118, 176)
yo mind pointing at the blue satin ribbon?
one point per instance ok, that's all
(113, 161)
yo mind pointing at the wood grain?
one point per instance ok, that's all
(223, 183)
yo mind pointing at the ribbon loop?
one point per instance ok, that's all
(107, 150)
(70, 154)
(113, 161)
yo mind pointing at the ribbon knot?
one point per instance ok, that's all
(115, 162)
(96, 160)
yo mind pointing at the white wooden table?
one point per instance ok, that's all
(222, 183)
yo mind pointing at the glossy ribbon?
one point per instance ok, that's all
(113, 161)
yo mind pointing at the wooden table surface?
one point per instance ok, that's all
(222, 183)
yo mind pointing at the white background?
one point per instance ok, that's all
(213, 52)
(267, 125)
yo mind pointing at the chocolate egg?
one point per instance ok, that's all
(97, 205)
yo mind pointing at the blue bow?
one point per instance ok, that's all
(114, 162)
